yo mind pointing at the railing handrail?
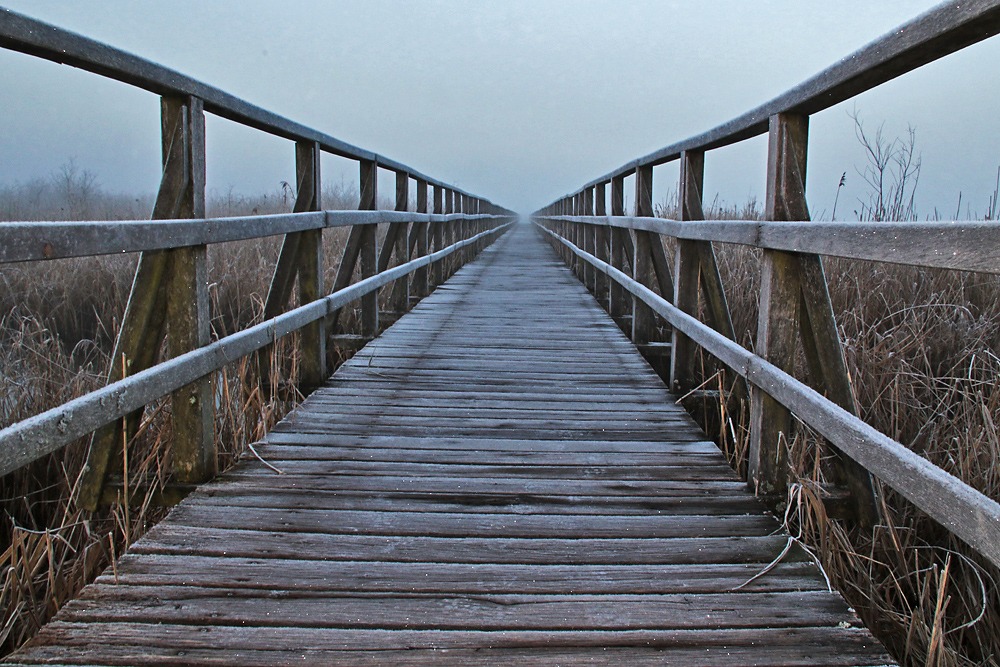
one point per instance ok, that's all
(945, 29)
(36, 241)
(37, 38)
(964, 245)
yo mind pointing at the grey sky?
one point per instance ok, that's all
(520, 101)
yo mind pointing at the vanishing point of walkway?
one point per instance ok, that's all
(499, 479)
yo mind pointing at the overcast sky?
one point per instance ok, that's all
(520, 101)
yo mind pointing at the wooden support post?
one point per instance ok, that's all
(395, 241)
(437, 237)
(642, 265)
(458, 258)
(602, 249)
(771, 422)
(169, 285)
(566, 232)
(686, 277)
(794, 294)
(449, 232)
(302, 255)
(310, 266)
(188, 327)
(696, 265)
(578, 238)
(621, 301)
(367, 256)
(683, 377)
(360, 244)
(589, 272)
(418, 243)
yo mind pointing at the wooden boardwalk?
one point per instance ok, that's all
(499, 479)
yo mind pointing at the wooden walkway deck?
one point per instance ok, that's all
(499, 479)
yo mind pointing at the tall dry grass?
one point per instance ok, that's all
(56, 340)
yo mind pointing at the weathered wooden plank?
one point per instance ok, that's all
(705, 471)
(269, 646)
(439, 524)
(318, 577)
(447, 484)
(479, 503)
(381, 440)
(467, 418)
(220, 606)
(169, 538)
(685, 433)
(468, 455)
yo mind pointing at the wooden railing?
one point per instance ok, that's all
(169, 297)
(622, 259)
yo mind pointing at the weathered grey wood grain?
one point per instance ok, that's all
(169, 538)
(235, 606)
(960, 244)
(35, 241)
(160, 644)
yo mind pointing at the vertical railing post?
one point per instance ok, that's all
(588, 238)
(187, 306)
(463, 231)
(578, 236)
(571, 230)
(621, 303)
(686, 271)
(300, 255)
(795, 302)
(449, 238)
(771, 422)
(602, 250)
(562, 228)
(367, 248)
(310, 265)
(695, 265)
(437, 236)
(567, 232)
(642, 264)
(418, 243)
(169, 286)
(396, 242)
(360, 247)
